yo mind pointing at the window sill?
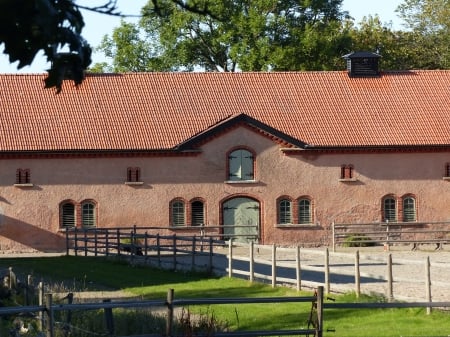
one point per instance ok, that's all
(446, 178)
(348, 180)
(297, 225)
(134, 183)
(241, 181)
(184, 227)
(23, 185)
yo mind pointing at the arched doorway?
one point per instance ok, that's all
(241, 217)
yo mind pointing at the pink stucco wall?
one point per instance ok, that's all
(29, 217)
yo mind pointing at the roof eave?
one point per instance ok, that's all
(232, 121)
(369, 148)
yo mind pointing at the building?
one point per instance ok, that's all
(272, 156)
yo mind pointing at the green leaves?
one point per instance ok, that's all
(29, 26)
(231, 35)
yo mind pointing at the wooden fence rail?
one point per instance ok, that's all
(335, 271)
(317, 315)
(48, 308)
(164, 251)
(391, 233)
(363, 273)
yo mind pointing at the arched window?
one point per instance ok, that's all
(284, 211)
(304, 211)
(389, 209)
(177, 213)
(197, 213)
(241, 165)
(88, 214)
(409, 209)
(67, 214)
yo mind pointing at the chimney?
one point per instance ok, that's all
(362, 64)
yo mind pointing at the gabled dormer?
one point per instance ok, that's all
(362, 64)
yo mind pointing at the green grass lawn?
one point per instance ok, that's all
(88, 273)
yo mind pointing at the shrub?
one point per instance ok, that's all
(358, 240)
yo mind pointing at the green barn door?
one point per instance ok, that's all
(241, 219)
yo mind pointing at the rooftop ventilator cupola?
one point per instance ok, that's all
(362, 64)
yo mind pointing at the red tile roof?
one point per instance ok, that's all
(151, 111)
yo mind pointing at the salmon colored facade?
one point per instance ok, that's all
(279, 171)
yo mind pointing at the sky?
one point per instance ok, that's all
(98, 25)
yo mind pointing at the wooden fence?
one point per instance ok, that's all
(298, 267)
(391, 233)
(341, 272)
(46, 311)
(164, 251)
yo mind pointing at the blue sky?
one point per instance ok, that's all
(98, 25)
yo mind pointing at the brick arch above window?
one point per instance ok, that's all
(305, 209)
(197, 212)
(67, 213)
(177, 213)
(78, 214)
(88, 210)
(285, 209)
(409, 207)
(389, 208)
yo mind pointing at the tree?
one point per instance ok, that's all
(130, 51)
(428, 22)
(227, 35)
(394, 46)
(30, 26)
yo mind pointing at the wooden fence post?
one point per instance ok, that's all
(109, 319)
(211, 255)
(193, 253)
(12, 279)
(357, 275)
(29, 290)
(333, 233)
(169, 322)
(428, 283)
(274, 265)
(118, 241)
(66, 326)
(146, 245)
(132, 245)
(298, 269)
(106, 242)
(319, 312)
(327, 270)
(174, 249)
(96, 242)
(41, 303)
(49, 329)
(387, 244)
(230, 258)
(85, 243)
(75, 241)
(251, 261)
(158, 249)
(390, 290)
(67, 241)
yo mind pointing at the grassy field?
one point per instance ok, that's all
(90, 274)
